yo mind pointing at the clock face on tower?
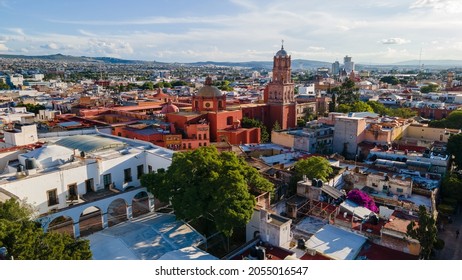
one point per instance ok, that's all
(207, 104)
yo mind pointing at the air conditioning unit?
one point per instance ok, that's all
(311, 251)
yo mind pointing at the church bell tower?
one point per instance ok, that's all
(280, 92)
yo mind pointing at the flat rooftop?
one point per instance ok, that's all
(150, 237)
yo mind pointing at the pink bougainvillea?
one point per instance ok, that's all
(362, 199)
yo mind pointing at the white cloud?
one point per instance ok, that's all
(3, 47)
(109, 48)
(17, 30)
(50, 46)
(316, 49)
(86, 33)
(394, 41)
(445, 6)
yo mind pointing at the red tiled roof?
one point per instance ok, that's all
(377, 252)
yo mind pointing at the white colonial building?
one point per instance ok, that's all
(76, 175)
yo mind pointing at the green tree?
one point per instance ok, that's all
(159, 85)
(347, 93)
(454, 120)
(167, 85)
(178, 83)
(344, 108)
(454, 148)
(33, 108)
(249, 123)
(224, 85)
(148, 86)
(360, 106)
(425, 232)
(404, 113)
(301, 123)
(25, 239)
(392, 80)
(379, 108)
(3, 85)
(14, 210)
(276, 126)
(333, 103)
(206, 183)
(313, 167)
(451, 187)
(429, 88)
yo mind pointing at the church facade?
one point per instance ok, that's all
(224, 122)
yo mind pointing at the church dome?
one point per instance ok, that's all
(208, 90)
(169, 108)
(281, 52)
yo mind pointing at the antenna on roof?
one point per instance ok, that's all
(420, 60)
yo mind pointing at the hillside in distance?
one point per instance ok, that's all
(296, 63)
(447, 62)
(70, 58)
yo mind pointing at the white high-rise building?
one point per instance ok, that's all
(348, 65)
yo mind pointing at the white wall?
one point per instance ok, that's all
(34, 187)
(28, 135)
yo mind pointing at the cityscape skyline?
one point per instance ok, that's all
(234, 30)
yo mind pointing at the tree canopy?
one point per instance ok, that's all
(380, 109)
(358, 106)
(25, 239)
(148, 86)
(3, 85)
(347, 93)
(453, 120)
(392, 80)
(454, 148)
(178, 83)
(425, 232)
(313, 167)
(33, 108)
(248, 123)
(429, 88)
(206, 183)
(224, 85)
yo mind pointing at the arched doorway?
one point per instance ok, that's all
(117, 212)
(62, 224)
(90, 221)
(140, 204)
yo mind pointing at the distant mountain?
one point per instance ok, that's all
(431, 62)
(70, 58)
(296, 64)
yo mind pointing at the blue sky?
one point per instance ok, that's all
(234, 30)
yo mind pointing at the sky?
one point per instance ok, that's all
(234, 30)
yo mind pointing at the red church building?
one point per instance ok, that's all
(209, 108)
